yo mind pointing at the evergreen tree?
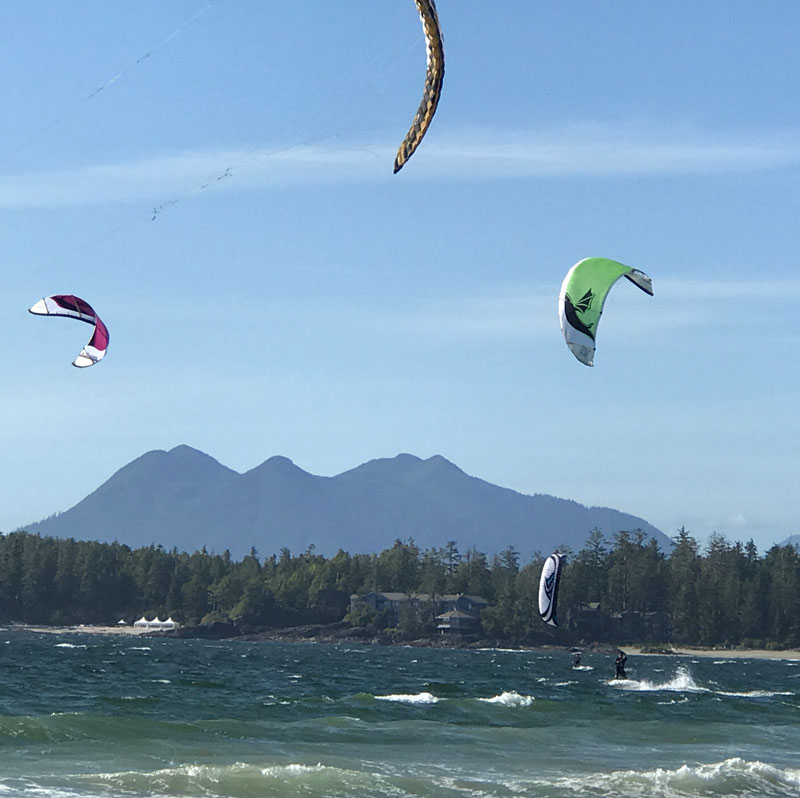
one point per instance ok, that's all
(684, 577)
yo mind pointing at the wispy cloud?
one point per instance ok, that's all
(531, 312)
(603, 151)
(730, 289)
(589, 151)
(520, 315)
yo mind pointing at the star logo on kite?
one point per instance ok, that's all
(585, 302)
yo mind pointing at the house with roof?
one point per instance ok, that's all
(156, 625)
(455, 612)
(458, 622)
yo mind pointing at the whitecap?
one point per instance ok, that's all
(681, 682)
(415, 698)
(510, 699)
(293, 768)
(69, 645)
(733, 776)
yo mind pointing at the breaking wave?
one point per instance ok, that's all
(733, 776)
(410, 698)
(683, 682)
(510, 699)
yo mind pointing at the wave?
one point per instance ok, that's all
(683, 682)
(221, 781)
(65, 726)
(413, 698)
(733, 776)
(510, 699)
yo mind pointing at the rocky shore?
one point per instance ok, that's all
(342, 632)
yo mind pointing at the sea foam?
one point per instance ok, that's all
(510, 699)
(681, 682)
(414, 698)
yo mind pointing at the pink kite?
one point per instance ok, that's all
(76, 308)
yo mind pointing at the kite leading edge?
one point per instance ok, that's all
(433, 82)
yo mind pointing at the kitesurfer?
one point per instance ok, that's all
(619, 665)
(576, 660)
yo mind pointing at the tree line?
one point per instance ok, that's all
(620, 590)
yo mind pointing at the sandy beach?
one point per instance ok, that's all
(716, 653)
(84, 630)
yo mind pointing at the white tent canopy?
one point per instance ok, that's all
(155, 624)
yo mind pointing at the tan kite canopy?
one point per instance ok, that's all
(433, 82)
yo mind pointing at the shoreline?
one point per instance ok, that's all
(79, 629)
(286, 636)
(715, 653)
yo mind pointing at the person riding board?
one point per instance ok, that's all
(619, 665)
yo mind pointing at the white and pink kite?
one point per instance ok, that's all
(76, 308)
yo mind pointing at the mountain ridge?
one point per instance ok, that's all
(184, 498)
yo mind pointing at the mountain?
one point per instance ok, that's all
(792, 540)
(185, 499)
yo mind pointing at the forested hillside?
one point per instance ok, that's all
(623, 590)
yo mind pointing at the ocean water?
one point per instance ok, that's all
(89, 715)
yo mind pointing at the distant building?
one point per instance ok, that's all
(473, 605)
(456, 612)
(456, 621)
(155, 625)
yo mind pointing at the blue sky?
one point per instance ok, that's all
(292, 296)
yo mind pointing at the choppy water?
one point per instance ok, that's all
(125, 716)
